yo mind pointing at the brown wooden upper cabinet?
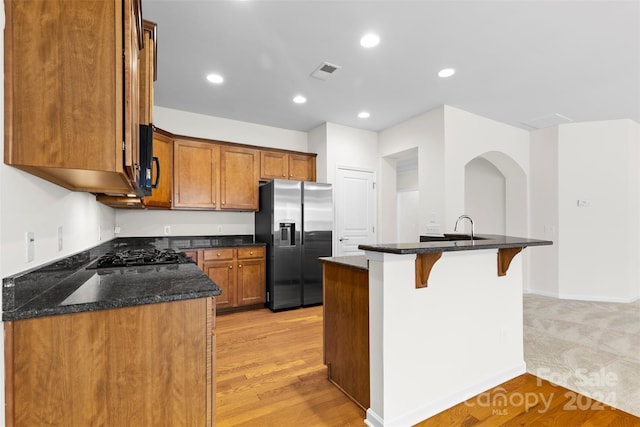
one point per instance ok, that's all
(71, 98)
(215, 177)
(239, 178)
(302, 167)
(195, 174)
(281, 165)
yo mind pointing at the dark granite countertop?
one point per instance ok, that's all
(67, 286)
(484, 241)
(358, 262)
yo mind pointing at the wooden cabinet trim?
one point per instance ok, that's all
(235, 144)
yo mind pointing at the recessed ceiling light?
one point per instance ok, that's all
(446, 72)
(369, 40)
(364, 115)
(215, 78)
(299, 99)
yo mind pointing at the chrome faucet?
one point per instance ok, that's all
(470, 220)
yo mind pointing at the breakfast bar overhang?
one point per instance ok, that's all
(445, 323)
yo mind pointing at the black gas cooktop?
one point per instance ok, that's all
(136, 257)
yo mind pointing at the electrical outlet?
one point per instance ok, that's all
(167, 230)
(30, 241)
(99, 233)
(116, 230)
(584, 203)
(219, 229)
(60, 238)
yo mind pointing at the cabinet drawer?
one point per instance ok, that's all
(252, 252)
(215, 254)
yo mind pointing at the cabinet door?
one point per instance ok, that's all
(252, 288)
(195, 183)
(223, 274)
(148, 365)
(162, 172)
(273, 165)
(239, 178)
(302, 168)
(133, 44)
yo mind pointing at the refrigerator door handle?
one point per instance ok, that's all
(342, 238)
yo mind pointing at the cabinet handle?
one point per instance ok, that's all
(239, 265)
(218, 254)
(231, 266)
(222, 203)
(250, 252)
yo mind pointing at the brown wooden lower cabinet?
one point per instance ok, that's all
(239, 272)
(346, 329)
(148, 365)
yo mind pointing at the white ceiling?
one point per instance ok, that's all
(516, 61)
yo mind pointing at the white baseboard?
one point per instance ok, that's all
(373, 420)
(541, 293)
(446, 402)
(595, 298)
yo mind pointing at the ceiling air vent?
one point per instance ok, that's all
(324, 70)
(547, 121)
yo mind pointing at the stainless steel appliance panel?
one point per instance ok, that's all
(286, 250)
(317, 205)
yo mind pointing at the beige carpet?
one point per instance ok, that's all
(592, 348)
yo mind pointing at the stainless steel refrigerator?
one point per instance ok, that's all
(295, 220)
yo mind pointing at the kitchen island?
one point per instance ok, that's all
(129, 345)
(445, 322)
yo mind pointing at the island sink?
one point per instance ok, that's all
(449, 238)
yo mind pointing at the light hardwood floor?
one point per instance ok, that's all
(269, 372)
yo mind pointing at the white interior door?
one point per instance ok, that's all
(355, 210)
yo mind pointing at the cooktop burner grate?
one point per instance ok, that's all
(135, 257)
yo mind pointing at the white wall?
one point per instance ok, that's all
(137, 223)
(544, 221)
(468, 136)
(32, 204)
(426, 134)
(447, 139)
(317, 143)
(598, 255)
(350, 147)
(217, 128)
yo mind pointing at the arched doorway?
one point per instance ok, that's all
(496, 194)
